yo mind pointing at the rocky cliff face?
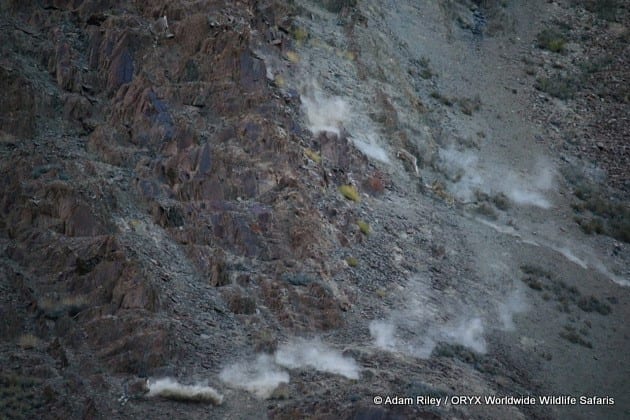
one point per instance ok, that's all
(178, 200)
(117, 132)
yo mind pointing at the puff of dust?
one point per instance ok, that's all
(260, 377)
(468, 333)
(522, 193)
(370, 148)
(316, 355)
(590, 261)
(615, 278)
(462, 166)
(508, 230)
(513, 304)
(471, 176)
(529, 190)
(173, 390)
(569, 255)
(426, 319)
(383, 334)
(331, 113)
(324, 113)
(385, 337)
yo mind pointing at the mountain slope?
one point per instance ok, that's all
(307, 204)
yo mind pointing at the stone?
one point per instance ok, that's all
(17, 104)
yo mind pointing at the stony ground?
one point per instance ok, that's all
(173, 204)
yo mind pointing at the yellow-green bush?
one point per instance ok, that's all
(300, 34)
(350, 192)
(364, 227)
(313, 155)
(293, 57)
(551, 40)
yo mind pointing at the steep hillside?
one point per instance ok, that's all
(284, 209)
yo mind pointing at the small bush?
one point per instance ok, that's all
(374, 184)
(426, 74)
(590, 226)
(456, 351)
(533, 283)
(557, 86)
(313, 155)
(551, 40)
(300, 34)
(441, 98)
(468, 106)
(592, 304)
(293, 57)
(501, 201)
(607, 215)
(595, 65)
(364, 227)
(352, 261)
(350, 193)
(574, 337)
(604, 9)
(279, 81)
(535, 270)
(486, 210)
(619, 228)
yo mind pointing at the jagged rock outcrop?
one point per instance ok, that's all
(186, 128)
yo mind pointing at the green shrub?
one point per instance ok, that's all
(350, 192)
(592, 304)
(486, 210)
(590, 225)
(442, 99)
(533, 283)
(535, 270)
(600, 214)
(558, 86)
(574, 337)
(501, 201)
(468, 105)
(364, 227)
(300, 34)
(604, 9)
(551, 40)
(426, 74)
(313, 155)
